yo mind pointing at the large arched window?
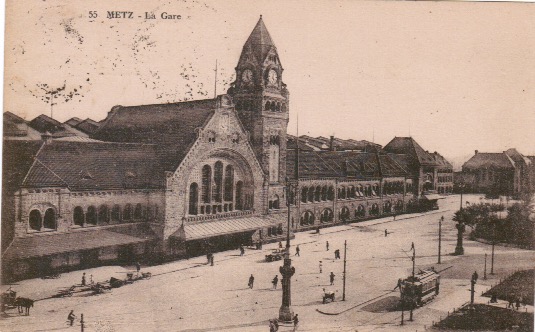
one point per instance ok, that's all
(49, 221)
(360, 212)
(138, 212)
(206, 183)
(239, 195)
(116, 213)
(35, 220)
(193, 198)
(91, 215)
(103, 217)
(307, 218)
(374, 210)
(352, 192)
(78, 216)
(326, 215)
(345, 215)
(127, 212)
(229, 183)
(218, 182)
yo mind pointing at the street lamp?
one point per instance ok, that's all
(440, 238)
(287, 270)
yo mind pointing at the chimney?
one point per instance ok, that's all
(331, 144)
(477, 151)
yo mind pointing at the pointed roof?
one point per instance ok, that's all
(259, 41)
(407, 145)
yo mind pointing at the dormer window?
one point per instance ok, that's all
(85, 175)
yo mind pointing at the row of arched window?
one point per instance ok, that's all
(274, 106)
(39, 222)
(218, 192)
(325, 193)
(326, 215)
(103, 215)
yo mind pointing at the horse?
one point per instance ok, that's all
(24, 303)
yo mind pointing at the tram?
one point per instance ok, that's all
(420, 288)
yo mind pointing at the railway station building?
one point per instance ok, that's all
(164, 181)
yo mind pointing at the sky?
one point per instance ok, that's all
(456, 76)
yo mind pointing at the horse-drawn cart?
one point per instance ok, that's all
(8, 299)
(276, 255)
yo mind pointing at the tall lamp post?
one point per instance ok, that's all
(459, 250)
(287, 270)
(440, 237)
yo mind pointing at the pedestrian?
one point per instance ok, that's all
(297, 251)
(317, 230)
(242, 250)
(90, 279)
(332, 278)
(138, 267)
(280, 245)
(511, 300)
(275, 281)
(251, 281)
(212, 260)
(296, 321)
(271, 326)
(83, 279)
(337, 254)
(208, 258)
(321, 267)
(276, 324)
(517, 303)
(398, 285)
(71, 317)
(386, 233)
(394, 217)
(475, 276)
(327, 245)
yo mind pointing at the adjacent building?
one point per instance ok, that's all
(506, 173)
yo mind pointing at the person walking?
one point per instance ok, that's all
(71, 317)
(275, 281)
(212, 260)
(242, 250)
(90, 279)
(296, 321)
(138, 267)
(386, 232)
(321, 267)
(297, 250)
(337, 254)
(251, 281)
(327, 245)
(331, 277)
(83, 279)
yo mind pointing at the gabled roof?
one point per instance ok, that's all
(96, 166)
(407, 145)
(17, 128)
(88, 126)
(44, 123)
(441, 160)
(73, 121)
(173, 127)
(487, 160)
(517, 156)
(335, 164)
(17, 158)
(259, 41)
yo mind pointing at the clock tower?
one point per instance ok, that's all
(261, 100)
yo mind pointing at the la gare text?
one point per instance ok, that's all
(132, 15)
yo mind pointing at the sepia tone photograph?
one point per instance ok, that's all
(268, 166)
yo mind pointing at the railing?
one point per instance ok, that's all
(219, 216)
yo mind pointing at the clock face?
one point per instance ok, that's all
(247, 76)
(272, 77)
